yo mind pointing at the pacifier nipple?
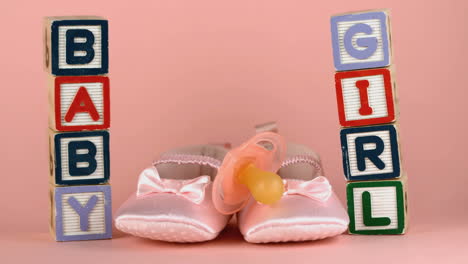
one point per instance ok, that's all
(266, 187)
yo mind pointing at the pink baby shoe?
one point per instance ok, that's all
(173, 200)
(308, 210)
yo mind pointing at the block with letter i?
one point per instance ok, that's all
(76, 46)
(79, 157)
(365, 97)
(361, 40)
(81, 212)
(377, 207)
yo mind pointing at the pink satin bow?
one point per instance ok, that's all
(193, 190)
(318, 189)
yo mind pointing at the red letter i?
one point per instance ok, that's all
(365, 109)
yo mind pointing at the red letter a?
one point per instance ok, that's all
(82, 103)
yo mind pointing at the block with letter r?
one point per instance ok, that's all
(370, 153)
(76, 46)
(361, 40)
(79, 157)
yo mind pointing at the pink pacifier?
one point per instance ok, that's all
(250, 170)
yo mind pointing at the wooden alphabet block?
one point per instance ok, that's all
(370, 153)
(81, 212)
(76, 45)
(365, 97)
(79, 103)
(377, 207)
(79, 157)
(361, 40)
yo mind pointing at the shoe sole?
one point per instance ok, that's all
(295, 233)
(164, 231)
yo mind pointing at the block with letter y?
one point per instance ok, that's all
(370, 153)
(79, 157)
(377, 207)
(81, 212)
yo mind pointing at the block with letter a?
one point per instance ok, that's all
(79, 103)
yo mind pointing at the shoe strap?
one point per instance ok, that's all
(188, 159)
(266, 127)
(308, 159)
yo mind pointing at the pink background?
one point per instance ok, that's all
(188, 72)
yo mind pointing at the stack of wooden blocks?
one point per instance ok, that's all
(366, 96)
(76, 61)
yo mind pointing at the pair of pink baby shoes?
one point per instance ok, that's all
(174, 201)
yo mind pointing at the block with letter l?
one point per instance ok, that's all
(79, 157)
(377, 207)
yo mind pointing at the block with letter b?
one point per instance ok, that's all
(81, 212)
(365, 97)
(370, 153)
(76, 45)
(361, 40)
(377, 207)
(79, 158)
(79, 103)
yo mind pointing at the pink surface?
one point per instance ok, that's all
(188, 72)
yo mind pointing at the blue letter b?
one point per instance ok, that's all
(72, 46)
(74, 158)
